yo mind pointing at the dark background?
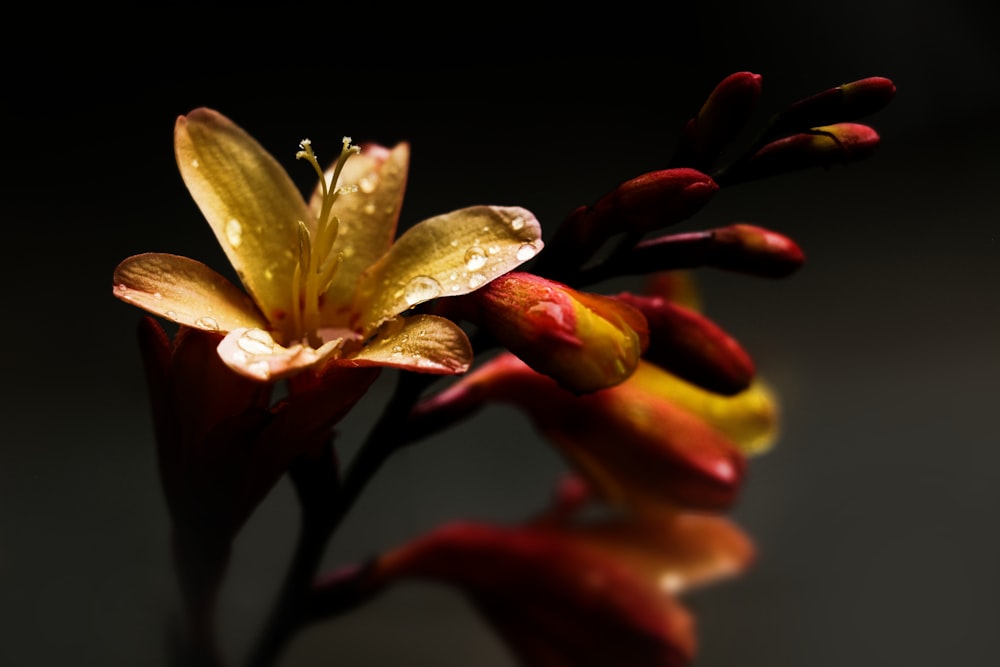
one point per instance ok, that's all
(875, 516)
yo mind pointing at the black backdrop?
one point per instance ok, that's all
(874, 516)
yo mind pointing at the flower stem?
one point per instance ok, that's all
(324, 507)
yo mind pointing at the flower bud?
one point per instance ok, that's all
(635, 445)
(554, 599)
(692, 347)
(834, 105)
(739, 247)
(651, 201)
(818, 147)
(722, 117)
(586, 342)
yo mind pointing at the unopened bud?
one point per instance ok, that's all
(739, 247)
(586, 342)
(722, 117)
(835, 105)
(691, 346)
(825, 146)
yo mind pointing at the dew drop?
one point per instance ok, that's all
(454, 243)
(195, 163)
(171, 314)
(476, 279)
(157, 296)
(368, 183)
(493, 249)
(369, 208)
(121, 288)
(517, 223)
(526, 252)
(256, 341)
(207, 322)
(421, 288)
(475, 258)
(234, 232)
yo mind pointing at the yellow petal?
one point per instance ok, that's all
(424, 343)
(252, 205)
(447, 255)
(185, 291)
(368, 218)
(255, 354)
(749, 418)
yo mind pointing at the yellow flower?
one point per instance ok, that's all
(326, 282)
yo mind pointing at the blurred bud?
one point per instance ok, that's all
(632, 442)
(555, 600)
(819, 147)
(748, 419)
(691, 346)
(586, 342)
(723, 116)
(739, 247)
(651, 201)
(835, 105)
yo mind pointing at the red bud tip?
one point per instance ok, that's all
(722, 117)
(835, 105)
(751, 249)
(657, 199)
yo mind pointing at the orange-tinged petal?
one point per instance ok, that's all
(250, 202)
(255, 354)
(424, 343)
(185, 291)
(675, 551)
(447, 255)
(749, 418)
(367, 218)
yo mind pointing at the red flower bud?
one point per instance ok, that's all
(651, 201)
(554, 599)
(693, 347)
(584, 341)
(819, 147)
(739, 247)
(722, 117)
(844, 103)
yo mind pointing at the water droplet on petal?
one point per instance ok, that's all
(171, 314)
(207, 322)
(369, 208)
(421, 288)
(526, 252)
(234, 232)
(475, 258)
(368, 183)
(256, 341)
(517, 223)
(454, 243)
(476, 279)
(195, 163)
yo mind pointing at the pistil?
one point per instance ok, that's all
(317, 262)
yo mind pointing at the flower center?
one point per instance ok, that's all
(317, 262)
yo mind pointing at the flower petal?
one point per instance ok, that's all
(447, 255)
(185, 291)
(367, 218)
(255, 354)
(424, 343)
(749, 418)
(252, 205)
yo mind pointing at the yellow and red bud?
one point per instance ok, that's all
(553, 598)
(586, 342)
(739, 247)
(723, 116)
(843, 103)
(824, 146)
(691, 346)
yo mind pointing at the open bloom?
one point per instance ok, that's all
(326, 282)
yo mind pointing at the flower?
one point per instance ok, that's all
(326, 282)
